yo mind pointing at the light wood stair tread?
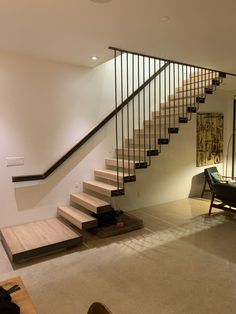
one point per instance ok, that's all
(102, 188)
(110, 172)
(127, 163)
(35, 238)
(77, 217)
(90, 202)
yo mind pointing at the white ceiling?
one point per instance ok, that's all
(199, 32)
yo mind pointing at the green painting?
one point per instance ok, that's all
(209, 138)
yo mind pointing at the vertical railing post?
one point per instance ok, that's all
(116, 118)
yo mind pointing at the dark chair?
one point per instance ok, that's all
(98, 308)
(225, 196)
(211, 181)
(223, 192)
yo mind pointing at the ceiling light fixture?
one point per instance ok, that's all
(164, 18)
(101, 1)
(94, 58)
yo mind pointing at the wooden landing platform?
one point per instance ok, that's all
(20, 297)
(22, 242)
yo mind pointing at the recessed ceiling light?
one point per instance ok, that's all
(164, 18)
(94, 58)
(101, 1)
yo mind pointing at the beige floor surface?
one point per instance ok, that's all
(181, 262)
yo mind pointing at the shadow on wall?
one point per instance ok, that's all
(197, 185)
(29, 196)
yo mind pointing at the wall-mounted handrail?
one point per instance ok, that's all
(84, 140)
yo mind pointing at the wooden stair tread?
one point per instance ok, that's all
(94, 204)
(107, 186)
(77, 217)
(113, 161)
(110, 174)
(35, 238)
(104, 188)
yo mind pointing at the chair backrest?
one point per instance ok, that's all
(98, 308)
(208, 176)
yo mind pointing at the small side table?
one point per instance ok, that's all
(20, 297)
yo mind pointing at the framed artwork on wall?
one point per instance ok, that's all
(210, 128)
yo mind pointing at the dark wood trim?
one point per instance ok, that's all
(90, 134)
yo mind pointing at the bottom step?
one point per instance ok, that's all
(22, 242)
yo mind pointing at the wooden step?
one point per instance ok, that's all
(191, 93)
(169, 111)
(202, 80)
(103, 188)
(25, 241)
(173, 104)
(77, 217)
(165, 121)
(136, 142)
(188, 99)
(150, 133)
(139, 154)
(196, 85)
(130, 164)
(91, 203)
(205, 75)
(111, 175)
(180, 101)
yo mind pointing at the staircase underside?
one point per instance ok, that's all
(33, 239)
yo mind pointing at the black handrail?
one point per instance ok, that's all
(90, 134)
(170, 61)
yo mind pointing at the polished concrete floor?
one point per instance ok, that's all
(181, 262)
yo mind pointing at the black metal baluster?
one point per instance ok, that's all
(182, 85)
(169, 93)
(174, 95)
(165, 94)
(122, 116)
(144, 109)
(149, 111)
(183, 90)
(116, 117)
(155, 105)
(128, 135)
(134, 141)
(160, 108)
(139, 112)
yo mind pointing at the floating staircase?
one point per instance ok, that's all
(133, 152)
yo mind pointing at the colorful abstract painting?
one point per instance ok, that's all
(209, 138)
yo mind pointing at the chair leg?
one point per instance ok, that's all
(212, 200)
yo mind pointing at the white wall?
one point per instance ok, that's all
(45, 108)
(173, 174)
